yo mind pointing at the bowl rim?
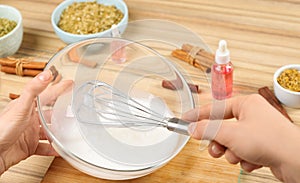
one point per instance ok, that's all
(53, 139)
(19, 23)
(279, 71)
(65, 3)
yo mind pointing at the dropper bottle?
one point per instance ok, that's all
(222, 73)
(117, 46)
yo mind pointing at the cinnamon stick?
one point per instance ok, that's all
(184, 56)
(25, 72)
(74, 57)
(26, 63)
(197, 57)
(194, 88)
(271, 98)
(172, 85)
(201, 52)
(204, 61)
(177, 84)
(13, 96)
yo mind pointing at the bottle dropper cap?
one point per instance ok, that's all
(222, 53)
(115, 31)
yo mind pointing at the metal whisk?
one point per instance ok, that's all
(98, 103)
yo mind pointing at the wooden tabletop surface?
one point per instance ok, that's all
(262, 36)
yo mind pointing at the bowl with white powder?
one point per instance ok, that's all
(110, 152)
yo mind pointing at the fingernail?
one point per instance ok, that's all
(215, 150)
(192, 128)
(45, 76)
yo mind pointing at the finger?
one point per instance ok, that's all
(50, 95)
(216, 150)
(277, 172)
(47, 117)
(47, 114)
(45, 149)
(192, 115)
(42, 134)
(222, 132)
(249, 167)
(228, 108)
(220, 109)
(231, 157)
(33, 89)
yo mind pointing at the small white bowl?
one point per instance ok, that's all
(11, 42)
(72, 38)
(285, 96)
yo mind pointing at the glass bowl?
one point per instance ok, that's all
(104, 151)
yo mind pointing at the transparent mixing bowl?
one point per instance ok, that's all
(109, 152)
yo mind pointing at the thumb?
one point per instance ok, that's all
(218, 130)
(34, 88)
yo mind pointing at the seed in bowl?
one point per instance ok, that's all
(89, 18)
(6, 26)
(290, 79)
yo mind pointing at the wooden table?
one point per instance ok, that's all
(262, 36)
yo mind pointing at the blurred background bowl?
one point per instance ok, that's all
(11, 42)
(71, 38)
(285, 96)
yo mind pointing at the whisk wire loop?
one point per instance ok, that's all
(106, 105)
(119, 96)
(111, 104)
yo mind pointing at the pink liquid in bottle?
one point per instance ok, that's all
(222, 81)
(222, 73)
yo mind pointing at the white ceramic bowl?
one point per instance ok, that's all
(71, 38)
(285, 96)
(11, 42)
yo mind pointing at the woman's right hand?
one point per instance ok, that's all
(261, 136)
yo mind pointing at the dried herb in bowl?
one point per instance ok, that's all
(89, 18)
(290, 79)
(6, 26)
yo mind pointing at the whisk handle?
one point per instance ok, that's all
(177, 125)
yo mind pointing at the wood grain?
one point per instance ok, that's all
(262, 36)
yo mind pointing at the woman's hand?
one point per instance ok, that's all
(261, 136)
(20, 129)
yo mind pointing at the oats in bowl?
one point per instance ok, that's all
(6, 26)
(290, 79)
(11, 30)
(89, 17)
(79, 20)
(286, 85)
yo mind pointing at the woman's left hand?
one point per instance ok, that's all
(20, 129)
